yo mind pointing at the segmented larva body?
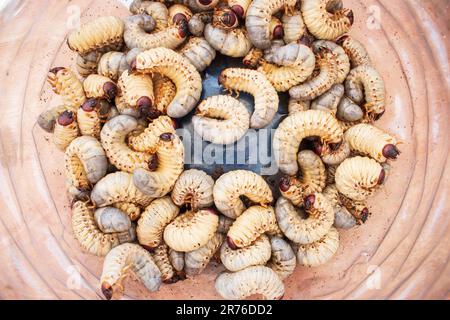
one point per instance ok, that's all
(154, 219)
(256, 84)
(355, 50)
(164, 90)
(191, 230)
(96, 35)
(343, 219)
(321, 23)
(147, 140)
(319, 252)
(283, 259)
(318, 223)
(293, 64)
(295, 105)
(221, 119)
(97, 86)
(311, 89)
(157, 10)
(293, 26)
(136, 36)
(112, 220)
(66, 130)
(233, 43)
(252, 223)
(372, 141)
(87, 64)
(86, 163)
(197, 23)
(197, 260)
(118, 187)
(66, 84)
(252, 280)
(255, 254)
(239, 7)
(297, 126)
(132, 210)
(137, 91)
(170, 164)
(338, 154)
(313, 178)
(86, 231)
(349, 111)
(230, 186)
(127, 257)
(199, 52)
(365, 83)
(331, 171)
(178, 69)
(358, 177)
(112, 64)
(342, 60)
(258, 19)
(193, 187)
(113, 136)
(89, 121)
(329, 101)
(161, 258)
(201, 5)
(253, 58)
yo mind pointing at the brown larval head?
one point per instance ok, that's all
(89, 105)
(66, 118)
(107, 290)
(390, 151)
(110, 90)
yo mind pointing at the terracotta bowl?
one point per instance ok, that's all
(401, 252)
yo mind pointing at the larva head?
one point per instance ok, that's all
(340, 41)
(222, 77)
(364, 215)
(183, 29)
(350, 17)
(133, 66)
(153, 162)
(103, 107)
(89, 105)
(178, 12)
(146, 109)
(167, 137)
(148, 248)
(377, 116)
(232, 244)
(285, 183)
(56, 70)
(205, 2)
(276, 29)
(390, 151)
(225, 18)
(381, 177)
(307, 40)
(239, 10)
(107, 290)
(110, 90)
(309, 201)
(66, 118)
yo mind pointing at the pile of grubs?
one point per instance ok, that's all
(132, 200)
